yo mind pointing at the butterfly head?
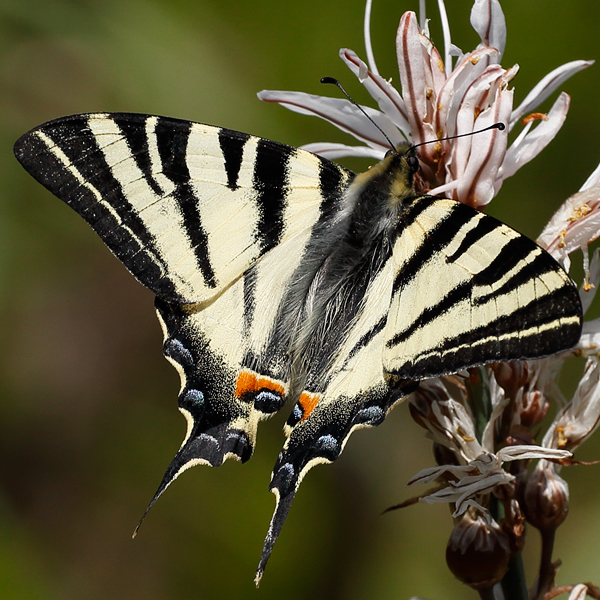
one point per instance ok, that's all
(399, 167)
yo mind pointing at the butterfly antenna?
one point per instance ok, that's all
(334, 81)
(500, 126)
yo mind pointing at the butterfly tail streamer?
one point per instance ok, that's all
(282, 508)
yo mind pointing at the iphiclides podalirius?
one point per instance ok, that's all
(281, 276)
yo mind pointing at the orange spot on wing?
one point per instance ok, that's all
(308, 402)
(248, 381)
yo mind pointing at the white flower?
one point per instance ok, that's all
(576, 422)
(479, 470)
(443, 96)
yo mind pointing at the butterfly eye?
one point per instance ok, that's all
(413, 162)
(389, 153)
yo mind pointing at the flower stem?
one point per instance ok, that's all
(478, 386)
(514, 584)
(547, 569)
(487, 594)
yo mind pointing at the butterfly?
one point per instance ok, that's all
(282, 277)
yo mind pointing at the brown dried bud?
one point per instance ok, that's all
(546, 498)
(534, 407)
(511, 376)
(478, 552)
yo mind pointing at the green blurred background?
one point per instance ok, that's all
(88, 418)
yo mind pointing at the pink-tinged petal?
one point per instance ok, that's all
(547, 86)
(413, 77)
(435, 74)
(341, 113)
(387, 97)
(473, 100)
(452, 92)
(477, 185)
(574, 225)
(487, 19)
(527, 147)
(333, 151)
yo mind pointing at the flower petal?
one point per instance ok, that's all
(467, 70)
(591, 180)
(341, 113)
(580, 417)
(332, 151)
(588, 289)
(575, 224)
(487, 153)
(529, 452)
(413, 77)
(446, 34)
(546, 86)
(579, 592)
(590, 337)
(387, 97)
(528, 146)
(367, 34)
(487, 19)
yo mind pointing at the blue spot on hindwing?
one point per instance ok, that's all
(372, 415)
(282, 480)
(327, 447)
(178, 352)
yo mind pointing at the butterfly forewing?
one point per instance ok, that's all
(188, 208)
(470, 290)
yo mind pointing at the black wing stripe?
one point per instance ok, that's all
(522, 333)
(232, 145)
(484, 227)
(506, 260)
(270, 180)
(436, 239)
(137, 141)
(542, 263)
(172, 148)
(85, 181)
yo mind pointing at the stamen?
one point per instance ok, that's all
(446, 34)
(367, 33)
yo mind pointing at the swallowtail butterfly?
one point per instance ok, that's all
(282, 277)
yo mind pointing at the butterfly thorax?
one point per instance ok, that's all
(375, 202)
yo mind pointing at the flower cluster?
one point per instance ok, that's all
(443, 96)
(483, 426)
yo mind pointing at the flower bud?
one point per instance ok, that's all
(478, 552)
(546, 499)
